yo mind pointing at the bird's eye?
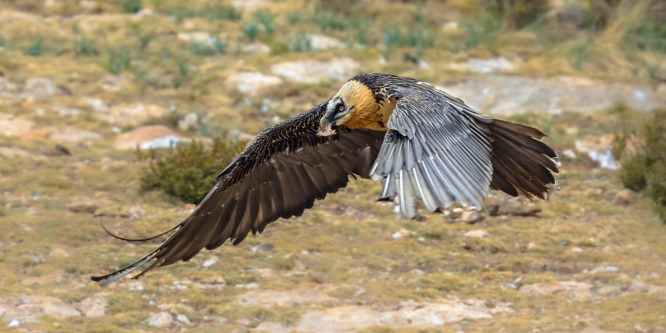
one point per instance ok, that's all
(341, 108)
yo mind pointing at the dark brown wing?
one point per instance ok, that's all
(280, 174)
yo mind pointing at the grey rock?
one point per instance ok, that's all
(39, 87)
(189, 122)
(160, 319)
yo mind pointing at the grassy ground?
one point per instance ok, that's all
(586, 262)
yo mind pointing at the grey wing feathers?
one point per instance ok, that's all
(434, 151)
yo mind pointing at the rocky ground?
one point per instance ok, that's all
(590, 259)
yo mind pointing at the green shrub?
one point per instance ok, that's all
(361, 26)
(251, 30)
(521, 13)
(392, 37)
(482, 29)
(645, 169)
(85, 47)
(144, 41)
(203, 49)
(214, 47)
(221, 13)
(267, 20)
(118, 60)
(329, 20)
(36, 47)
(302, 43)
(132, 6)
(188, 171)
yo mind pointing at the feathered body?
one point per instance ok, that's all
(424, 144)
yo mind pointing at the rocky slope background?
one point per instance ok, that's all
(84, 85)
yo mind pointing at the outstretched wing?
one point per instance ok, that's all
(435, 150)
(280, 174)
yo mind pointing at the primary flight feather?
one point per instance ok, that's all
(421, 142)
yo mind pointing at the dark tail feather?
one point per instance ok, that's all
(149, 258)
(522, 165)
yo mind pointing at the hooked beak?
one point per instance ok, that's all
(326, 126)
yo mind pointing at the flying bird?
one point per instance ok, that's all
(422, 143)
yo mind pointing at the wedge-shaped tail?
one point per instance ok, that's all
(522, 165)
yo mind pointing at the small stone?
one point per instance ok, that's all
(451, 27)
(114, 83)
(599, 149)
(478, 233)
(250, 5)
(262, 247)
(94, 306)
(39, 87)
(540, 289)
(321, 42)
(200, 37)
(273, 327)
(531, 245)
(576, 250)
(160, 319)
(73, 134)
(471, 216)
(15, 126)
(190, 122)
(252, 83)
(134, 114)
(183, 319)
(401, 233)
(7, 88)
(144, 12)
(96, 104)
(57, 308)
(593, 192)
(569, 153)
(608, 290)
(135, 285)
(136, 212)
(82, 207)
(147, 137)
(625, 197)
(256, 47)
(14, 323)
(58, 252)
(266, 274)
(209, 262)
(252, 285)
(605, 269)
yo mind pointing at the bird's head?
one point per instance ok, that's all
(352, 102)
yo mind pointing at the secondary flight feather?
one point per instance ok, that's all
(422, 143)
